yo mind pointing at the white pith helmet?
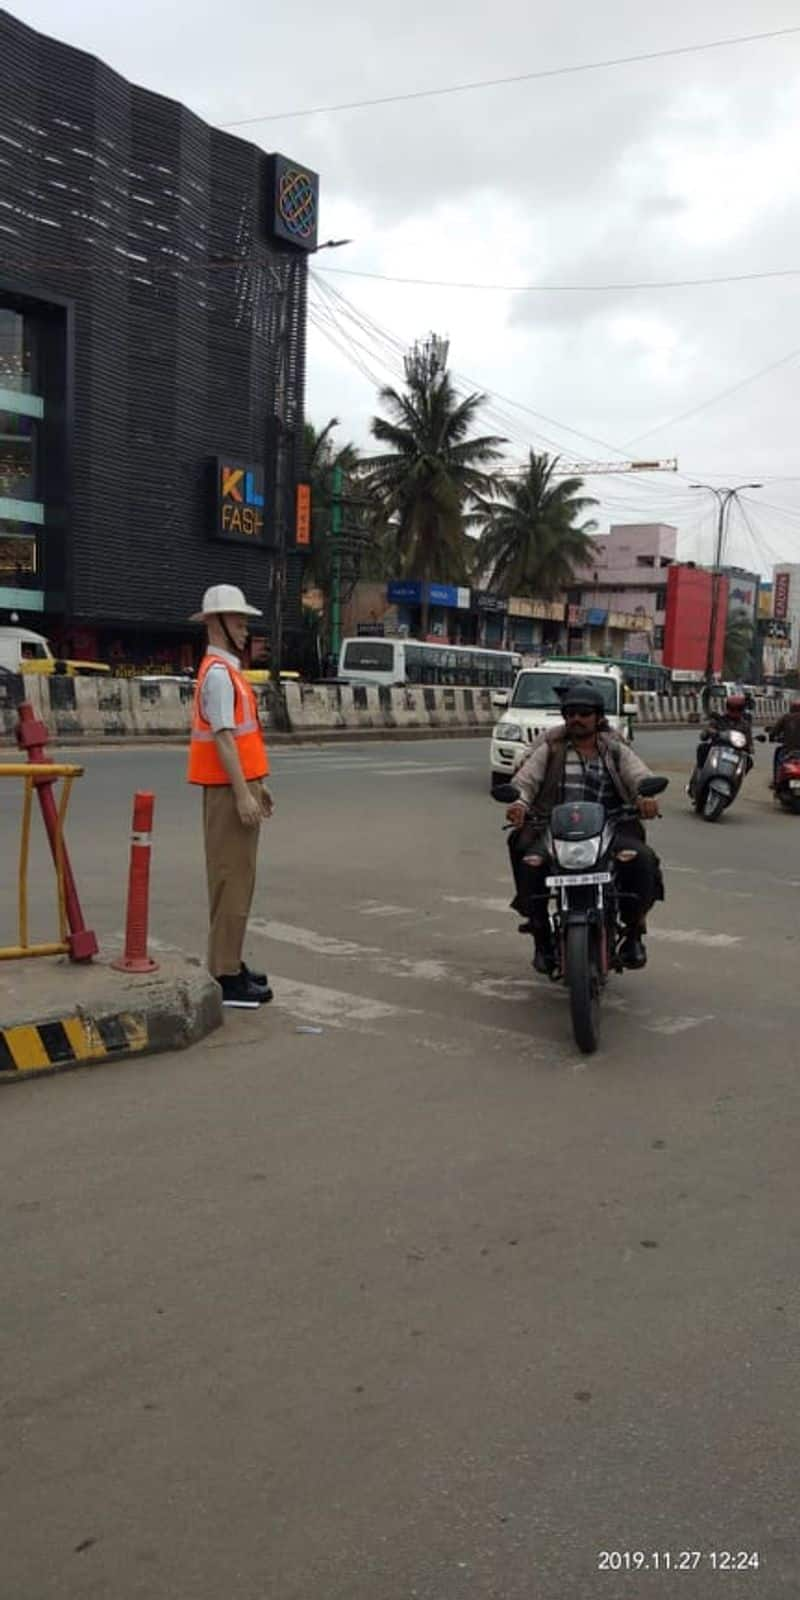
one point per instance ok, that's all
(224, 599)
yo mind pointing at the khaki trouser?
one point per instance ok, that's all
(231, 856)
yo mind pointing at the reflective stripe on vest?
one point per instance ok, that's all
(205, 766)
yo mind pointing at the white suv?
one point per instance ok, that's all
(534, 707)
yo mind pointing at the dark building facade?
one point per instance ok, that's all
(152, 356)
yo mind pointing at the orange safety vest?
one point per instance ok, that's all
(205, 766)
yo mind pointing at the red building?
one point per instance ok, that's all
(688, 620)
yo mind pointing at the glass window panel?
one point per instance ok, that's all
(17, 456)
(19, 562)
(16, 351)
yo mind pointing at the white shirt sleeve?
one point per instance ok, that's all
(218, 699)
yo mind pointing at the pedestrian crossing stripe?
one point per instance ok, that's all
(44, 1046)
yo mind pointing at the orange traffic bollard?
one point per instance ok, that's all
(135, 957)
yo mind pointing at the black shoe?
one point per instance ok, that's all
(259, 980)
(632, 952)
(544, 960)
(239, 993)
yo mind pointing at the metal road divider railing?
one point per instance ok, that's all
(32, 774)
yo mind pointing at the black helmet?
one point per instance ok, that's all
(584, 695)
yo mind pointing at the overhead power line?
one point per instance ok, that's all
(365, 342)
(517, 77)
(714, 399)
(563, 288)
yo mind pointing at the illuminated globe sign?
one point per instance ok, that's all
(295, 203)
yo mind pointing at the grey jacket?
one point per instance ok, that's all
(628, 768)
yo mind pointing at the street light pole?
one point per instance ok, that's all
(282, 449)
(336, 563)
(724, 499)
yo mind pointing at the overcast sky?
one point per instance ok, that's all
(671, 169)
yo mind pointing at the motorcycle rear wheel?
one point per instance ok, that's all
(583, 982)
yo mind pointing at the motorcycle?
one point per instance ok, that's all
(717, 784)
(787, 780)
(584, 897)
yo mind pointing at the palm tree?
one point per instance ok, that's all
(433, 468)
(533, 540)
(738, 644)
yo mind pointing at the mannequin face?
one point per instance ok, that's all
(237, 628)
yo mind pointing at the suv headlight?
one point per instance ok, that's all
(508, 730)
(575, 853)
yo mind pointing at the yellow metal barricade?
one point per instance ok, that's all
(29, 775)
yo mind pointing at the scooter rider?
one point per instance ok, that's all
(582, 761)
(785, 735)
(737, 719)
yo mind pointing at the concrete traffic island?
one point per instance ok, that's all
(56, 1014)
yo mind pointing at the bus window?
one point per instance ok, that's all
(369, 655)
(414, 660)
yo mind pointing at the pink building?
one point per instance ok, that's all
(629, 576)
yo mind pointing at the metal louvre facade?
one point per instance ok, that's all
(184, 327)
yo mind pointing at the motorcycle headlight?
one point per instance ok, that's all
(509, 731)
(738, 740)
(575, 853)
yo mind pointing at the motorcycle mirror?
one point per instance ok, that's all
(650, 787)
(761, 738)
(506, 794)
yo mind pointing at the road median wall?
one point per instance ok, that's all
(114, 709)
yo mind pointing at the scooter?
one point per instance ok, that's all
(717, 784)
(787, 780)
(583, 900)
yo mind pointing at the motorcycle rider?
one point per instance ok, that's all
(736, 718)
(785, 735)
(582, 761)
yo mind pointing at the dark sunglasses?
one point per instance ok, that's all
(580, 711)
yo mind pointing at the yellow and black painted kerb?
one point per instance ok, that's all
(71, 1042)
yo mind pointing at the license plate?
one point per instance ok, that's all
(578, 878)
(794, 783)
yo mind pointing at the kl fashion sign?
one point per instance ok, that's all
(239, 503)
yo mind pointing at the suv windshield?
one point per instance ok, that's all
(536, 691)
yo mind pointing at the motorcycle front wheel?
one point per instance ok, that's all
(713, 806)
(583, 982)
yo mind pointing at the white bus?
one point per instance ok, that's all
(399, 661)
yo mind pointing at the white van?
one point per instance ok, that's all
(534, 707)
(22, 650)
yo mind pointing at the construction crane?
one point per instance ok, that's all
(585, 469)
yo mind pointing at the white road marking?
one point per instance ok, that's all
(334, 1008)
(482, 903)
(671, 1025)
(390, 966)
(413, 772)
(373, 908)
(711, 941)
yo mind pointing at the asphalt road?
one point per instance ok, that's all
(385, 1292)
